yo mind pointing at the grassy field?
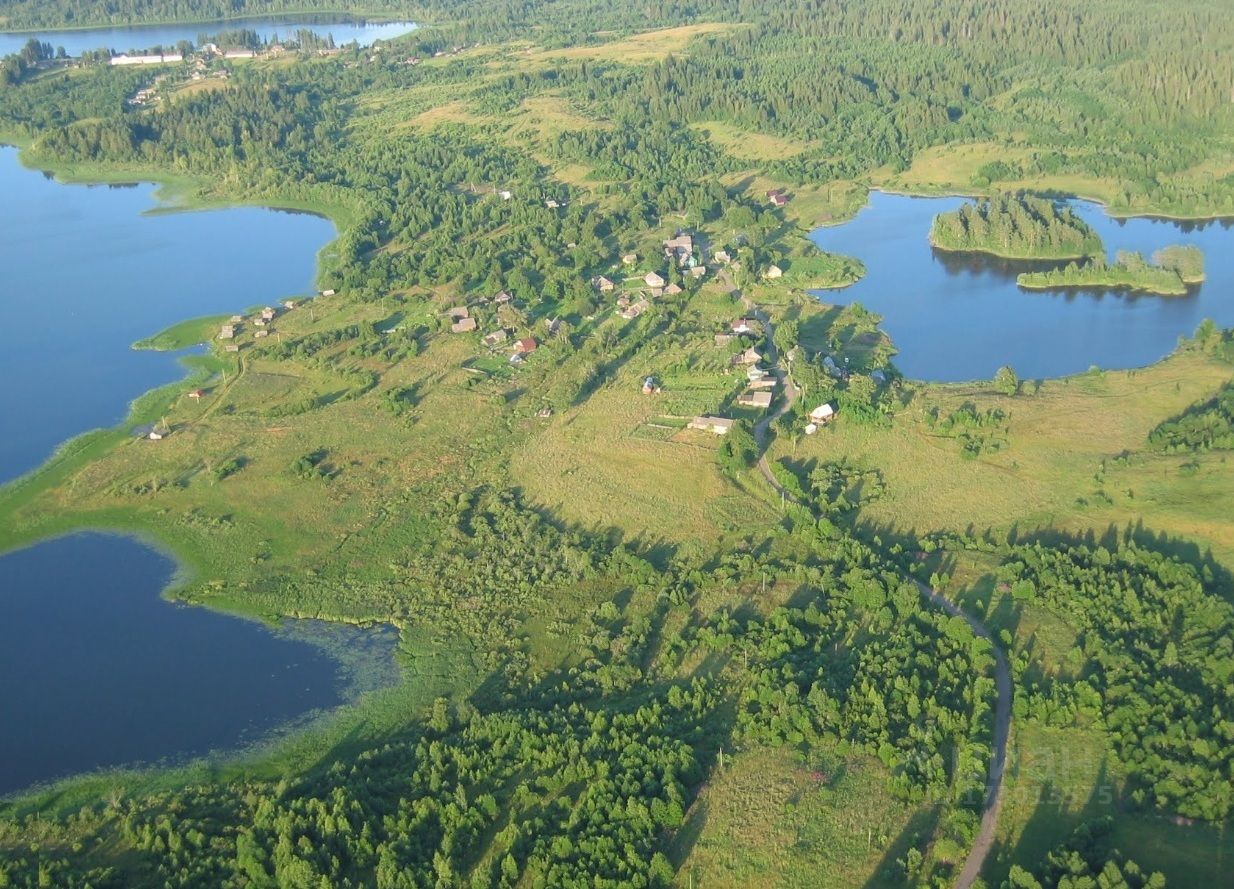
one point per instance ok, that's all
(750, 146)
(649, 46)
(770, 819)
(611, 461)
(954, 169)
(1058, 778)
(1051, 472)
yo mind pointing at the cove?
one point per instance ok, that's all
(75, 42)
(97, 671)
(87, 272)
(957, 317)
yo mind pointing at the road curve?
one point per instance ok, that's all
(984, 841)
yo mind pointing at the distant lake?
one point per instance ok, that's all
(86, 273)
(96, 670)
(144, 36)
(961, 317)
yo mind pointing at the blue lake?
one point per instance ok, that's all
(144, 36)
(960, 317)
(97, 671)
(87, 272)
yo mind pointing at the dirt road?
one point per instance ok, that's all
(984, 840)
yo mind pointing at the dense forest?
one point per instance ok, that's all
(1016, 227)
(1160, 650)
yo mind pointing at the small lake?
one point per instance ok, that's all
(87, 272)
(144, 36)
(97, 671)
(960, 317)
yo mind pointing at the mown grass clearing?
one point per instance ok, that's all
(746, 145)
(649, 46)
(771, 819)
(1053, 472)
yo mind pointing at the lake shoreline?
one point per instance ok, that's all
(925, 295)
(342, 667)
(81, 448)
(1089, 199)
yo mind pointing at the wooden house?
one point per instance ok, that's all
(717, 425)
(755, 398)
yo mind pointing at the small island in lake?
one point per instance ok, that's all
(1169, 273)
(1016, 226)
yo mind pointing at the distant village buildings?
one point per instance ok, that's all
(161, 59)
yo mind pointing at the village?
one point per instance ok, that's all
(507, 336)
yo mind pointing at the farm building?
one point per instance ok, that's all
(749, 356)
(823, 413)
(777, 197)
(717, 425)
(463, 325)
(634, 309)
(751, 398)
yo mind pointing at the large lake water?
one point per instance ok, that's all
(145, 36)
(87, 272)
(957, 318)
(96, 670)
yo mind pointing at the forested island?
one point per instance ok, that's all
(1016, 226)
(1169, 274)
(692, 586)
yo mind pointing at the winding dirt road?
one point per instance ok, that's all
(984, 840)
